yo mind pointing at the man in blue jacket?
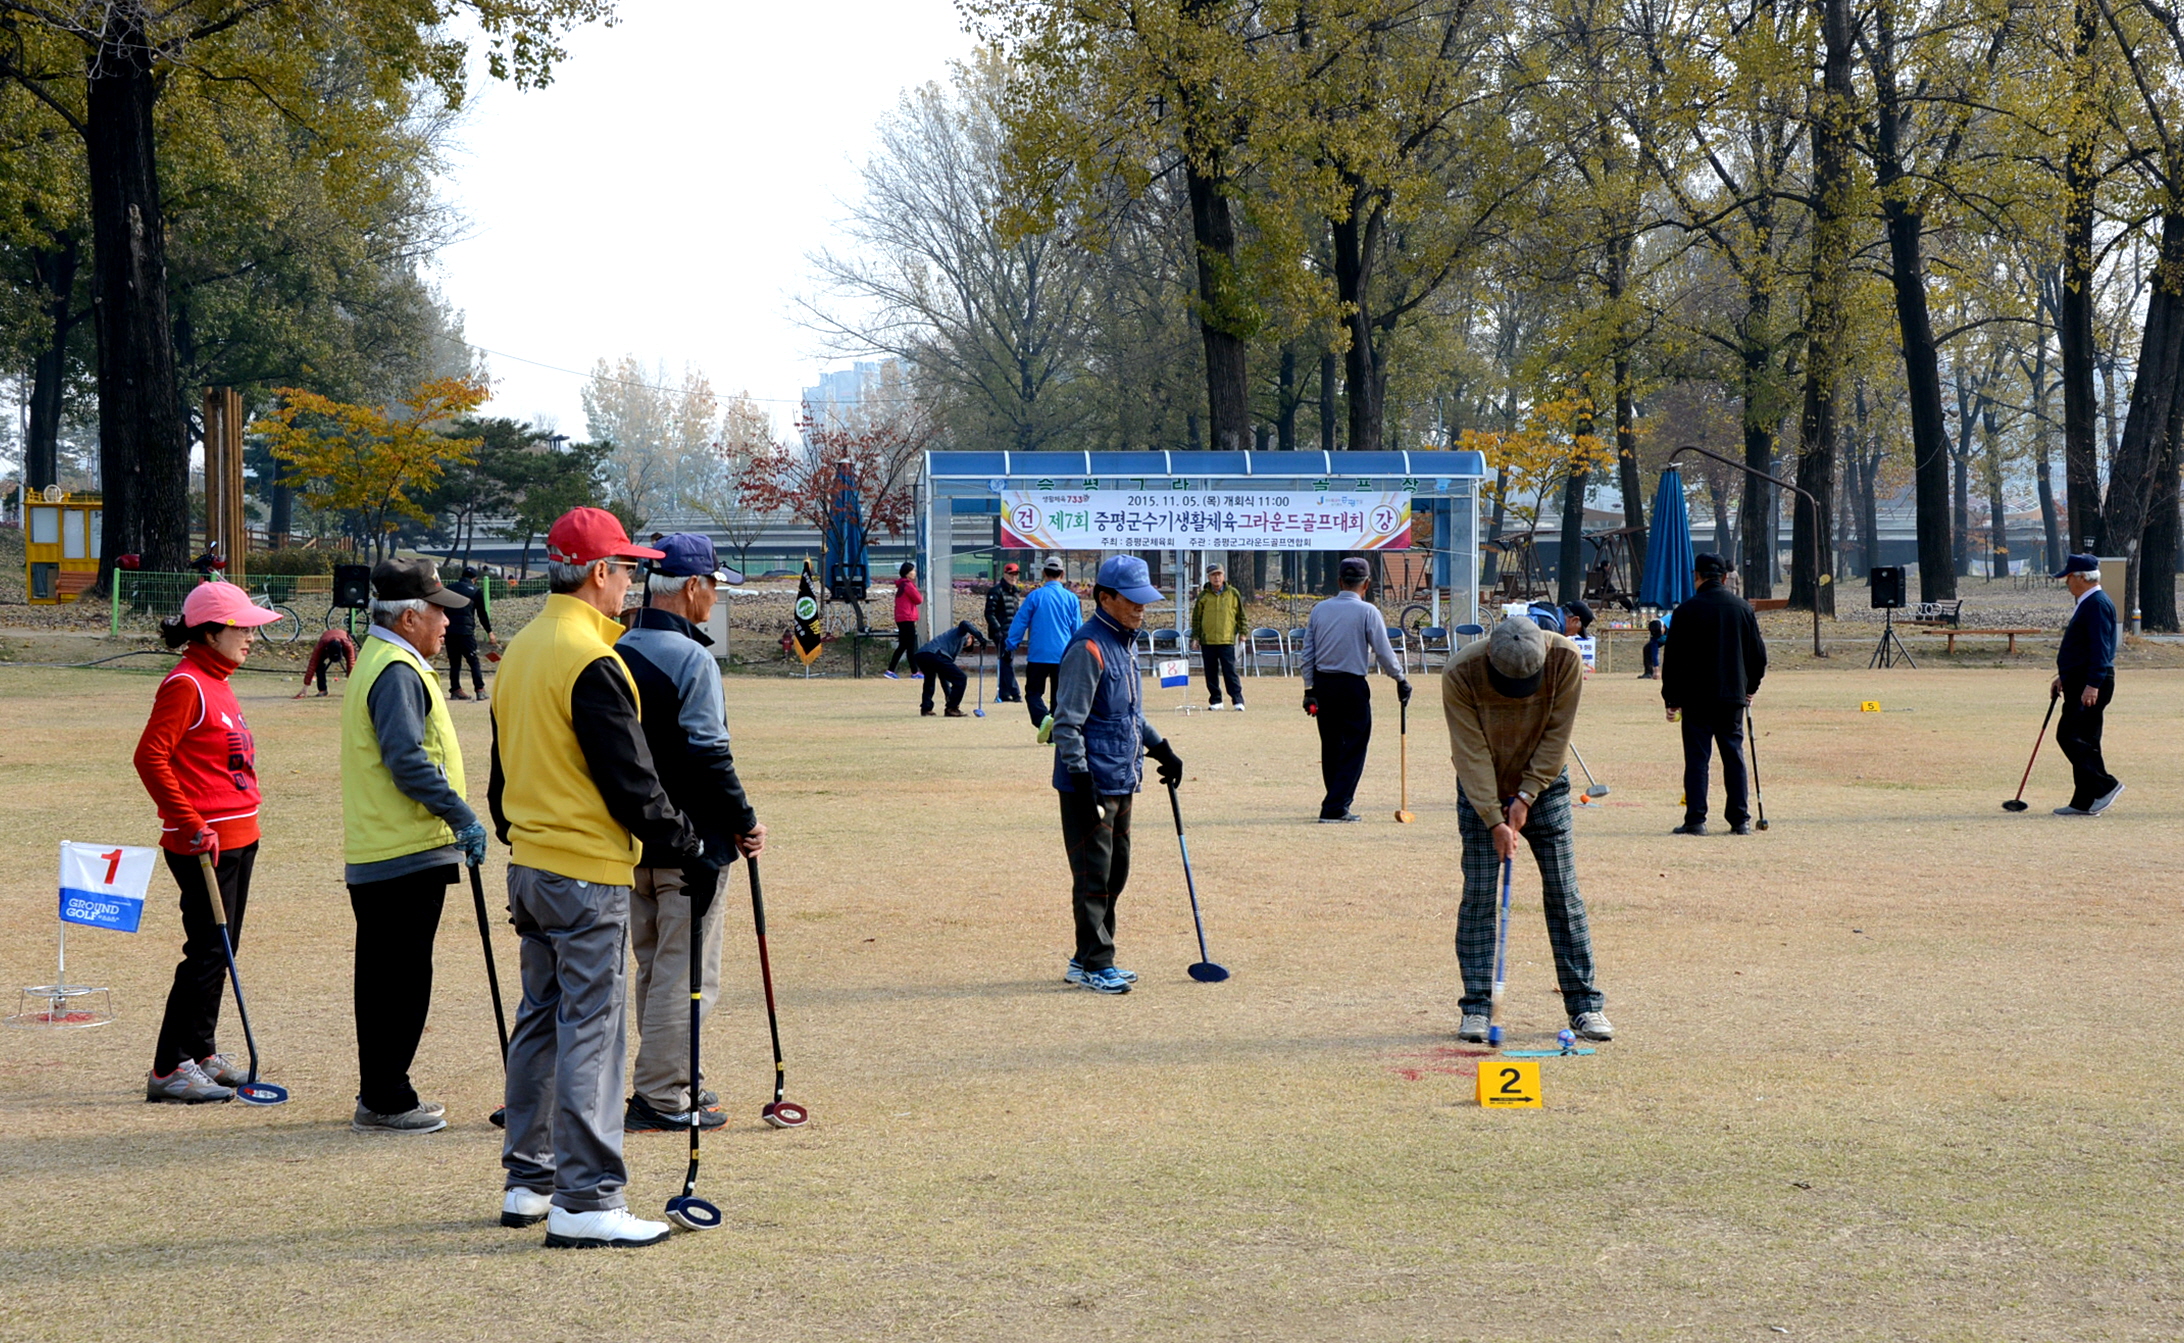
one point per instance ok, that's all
(686, 726)
(1049, 616)
(2085, 677)
(1100, 738)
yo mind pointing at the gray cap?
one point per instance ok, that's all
(1053, 565)
(1515, 654)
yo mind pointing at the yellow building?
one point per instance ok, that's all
(61, 545)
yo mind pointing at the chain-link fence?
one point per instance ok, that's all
(140, 599)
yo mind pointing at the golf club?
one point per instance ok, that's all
(1598, 788)
(499, 1117)
(777, 1112)
(1501, 955)
(686, 1209)
(980, 711)
(252, 1091)
(2018, 802)
(1402, 737)
(1205, 972)
(1751, 744)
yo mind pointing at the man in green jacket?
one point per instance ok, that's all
(405, 827)
(1217, 620)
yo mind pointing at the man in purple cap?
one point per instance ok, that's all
(1100, 739)
(2085, 678)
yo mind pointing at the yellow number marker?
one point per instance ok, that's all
(1509, 1084)
(1869, 706)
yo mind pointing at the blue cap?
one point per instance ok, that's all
(2080, 564)
(688, 555)
(1127, 575)
(1547, 616)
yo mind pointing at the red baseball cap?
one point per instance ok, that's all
(1008, 568)
(584, 535)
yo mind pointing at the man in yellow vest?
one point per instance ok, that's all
(404, 826)
(577, 798)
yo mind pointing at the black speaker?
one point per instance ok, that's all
(1887, 583)
(848, 581)
(353, 585)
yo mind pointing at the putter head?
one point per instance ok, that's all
(1763, 825)
(978, 713)
(1404, 817)
(785, 1114)
(1597, 790)
(692, 1213)
(2016, 804)
(261, 1093)
(1206, 972)
(1493, 1036)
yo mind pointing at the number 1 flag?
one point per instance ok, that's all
(102, 886)
(808, 641)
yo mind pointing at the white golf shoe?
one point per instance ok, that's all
(1592, 1026)
(1472, 1028)
(604, 1229)
(525, 1207)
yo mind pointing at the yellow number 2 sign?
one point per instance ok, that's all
(1509, 1084)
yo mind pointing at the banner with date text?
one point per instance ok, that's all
(1205, 520)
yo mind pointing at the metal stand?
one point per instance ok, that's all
(1890, 648)
(61, 1005)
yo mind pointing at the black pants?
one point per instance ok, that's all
(459, 648)
(942, 670)
(193, 1004)
(1038, 678)
(1707, 727)
(1004, 672)
(2079, 737)
(1345, 731)
(906, 644)
(1099, 867)
(396, 921)
(1220, 666)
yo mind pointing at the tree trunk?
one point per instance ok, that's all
(1998, 524)
(1812, 548)
(143, 453)
(1285, 423)
(2134, 473)
(1327, 401)
(1228, 391)
(2074, 325)
(1754, 529)
(2158, 559)
(55, 268)
(1355, 241)
(1490, 566)
(2043, 468)
(1570, 553)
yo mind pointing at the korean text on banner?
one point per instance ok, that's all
(1175, 673)
(103, 885)
(1205, 520)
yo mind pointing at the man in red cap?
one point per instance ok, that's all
(576, 797)
(1002, 599)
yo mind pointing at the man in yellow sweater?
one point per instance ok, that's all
(1511, 702)
(576, 797)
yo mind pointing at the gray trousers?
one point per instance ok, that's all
(567, 1052)
(659, 932)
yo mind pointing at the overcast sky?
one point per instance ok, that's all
(659, 197)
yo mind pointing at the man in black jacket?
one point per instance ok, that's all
(937, 660)
(1002, 599)
(1710, 670)
(463, 624)
(2085, 677)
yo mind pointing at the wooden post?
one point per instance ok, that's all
(226, 523)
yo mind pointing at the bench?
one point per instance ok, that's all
(1953, 633)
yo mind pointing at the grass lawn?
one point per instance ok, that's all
(1892, 1070)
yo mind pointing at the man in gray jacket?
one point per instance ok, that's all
(685, 724)
(1344, 637)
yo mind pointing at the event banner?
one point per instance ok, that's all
(1206, 520)
(103, 885)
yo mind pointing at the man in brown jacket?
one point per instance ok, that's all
(1511, 702)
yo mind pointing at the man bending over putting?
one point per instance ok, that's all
(1100, 739)
(1511, 702)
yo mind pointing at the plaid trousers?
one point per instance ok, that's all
(1547, 830)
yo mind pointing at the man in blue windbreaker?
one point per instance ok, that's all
(2085, 679)
(1049, 616)
(1100, 738)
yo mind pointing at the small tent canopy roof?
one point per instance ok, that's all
(984, 466)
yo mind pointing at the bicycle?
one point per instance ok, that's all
(285, 630)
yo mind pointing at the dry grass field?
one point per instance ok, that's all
(1898, 1068)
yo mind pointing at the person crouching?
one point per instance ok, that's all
(936, 661)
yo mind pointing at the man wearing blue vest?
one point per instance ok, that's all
(1048, 618)
(2085, 678)
(1100, 738)
(405, 827)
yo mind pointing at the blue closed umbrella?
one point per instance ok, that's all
(1668, 546)
(845, 534)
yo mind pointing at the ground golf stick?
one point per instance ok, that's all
(1598, 788)
(980, 711)
(1501, 955)
(1205, 972)
(1402, 737)
(2018, 803)
(1751, 744)
(253, 1091)
(777, 1112)
(492, 980)
(686, 1209)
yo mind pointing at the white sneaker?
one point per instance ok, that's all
(2101, 803)
(1472, 1030)
(525, 1207)
(1215, 708)
(605, 1229)
(1239, 706)
(186, 1085)
(1592, 1026)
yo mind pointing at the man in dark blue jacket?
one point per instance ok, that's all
(1100, 739)
(686, 726)
(936, 661)
(2085, 677)
(1711, 668)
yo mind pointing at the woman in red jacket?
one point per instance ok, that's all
(199, 764)
(907, 601)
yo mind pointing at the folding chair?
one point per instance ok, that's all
(1256, 648)
(1296, 648)
(1400, 642)
(1433, 639)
